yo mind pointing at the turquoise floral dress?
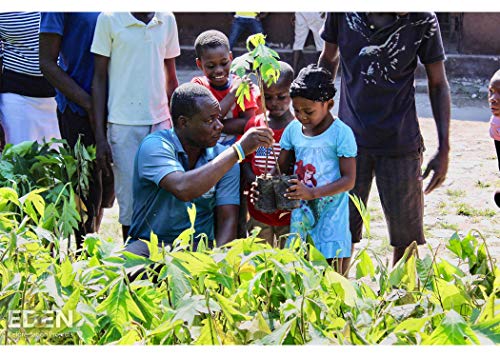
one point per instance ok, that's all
(325, 219)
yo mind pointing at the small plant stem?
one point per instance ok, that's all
(490, 259)
(263, 108)
(210, 318)
(302, 323)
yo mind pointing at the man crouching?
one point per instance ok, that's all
(183, 165)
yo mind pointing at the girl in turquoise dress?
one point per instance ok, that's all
(323, 149)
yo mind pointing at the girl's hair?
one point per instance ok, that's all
(313, 83)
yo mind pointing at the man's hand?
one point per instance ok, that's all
(256, 137)
(438, 164)
(299, 191)
(104, 157)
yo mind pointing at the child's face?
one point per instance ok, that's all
(494, 96)
(215, 64)
(310, 113)
(277, 97)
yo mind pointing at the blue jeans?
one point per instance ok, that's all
(241, 25)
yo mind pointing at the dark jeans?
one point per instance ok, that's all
(400, 192)
(243, 25)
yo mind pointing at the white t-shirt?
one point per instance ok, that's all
(136, 74)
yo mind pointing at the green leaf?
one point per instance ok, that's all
(152, 243)
(257, 327)
(453, 330)
(119, 305)
(363, 211)
(365, 265)
(69, 217)
(130, 338)
(489, 329)
(67, 275)
(208, 334)
(178, 284)
(196, 263)
(449, 295)
(192, 306)
(342, 287)
(278, 336)
(230, 309)
(412, 325)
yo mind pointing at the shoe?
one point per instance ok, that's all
(497, 198)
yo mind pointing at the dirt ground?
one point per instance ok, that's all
(463, 203)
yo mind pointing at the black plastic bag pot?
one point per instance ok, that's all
(281, 184)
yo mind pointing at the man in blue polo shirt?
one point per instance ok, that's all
(378, 55)
(185, 165)
(68, 64)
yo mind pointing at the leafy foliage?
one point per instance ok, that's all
(49, 181)
(244, 292)
(261, 61)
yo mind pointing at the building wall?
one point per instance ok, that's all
(480, 33)
(278, 26)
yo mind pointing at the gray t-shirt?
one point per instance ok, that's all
(377, 97)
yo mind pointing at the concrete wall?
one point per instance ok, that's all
(480, 33)
(278, 27)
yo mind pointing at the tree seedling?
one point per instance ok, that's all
(262, 62)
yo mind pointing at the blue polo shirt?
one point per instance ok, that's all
(158, 210)
(75, 58)
(377, 96)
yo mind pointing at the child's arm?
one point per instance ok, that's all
(248, 175)
(227, 222)
(172, 81)
(99, 101)
(344, 183)
(285, 162)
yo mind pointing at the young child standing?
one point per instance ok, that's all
(324, 149)
(277, 99)
(494, 100)
(214, 58)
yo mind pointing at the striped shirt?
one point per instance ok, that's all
(260, 157)
(19, 42)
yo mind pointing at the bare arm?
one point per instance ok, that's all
(227, 219)
(99, 101)
(329, 58)
(345, 183)
(186, 186)
(439, 95)
(236, 126)
(171, 75)
(248, 175)
(285, 161)
(50, 45)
